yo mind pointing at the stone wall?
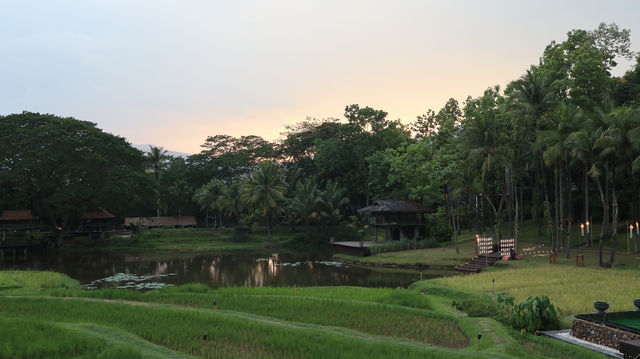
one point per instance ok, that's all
(600, 334)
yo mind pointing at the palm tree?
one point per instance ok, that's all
(231, 200)
(482, 137)
(181, 192)
(264, 192)
(208, 196)
(533, 96)
(157, 157)
(332, 200)
(581, 144)
(305, 204)
(618, 146)
(565, 120)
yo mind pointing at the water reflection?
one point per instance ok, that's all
(213, 269)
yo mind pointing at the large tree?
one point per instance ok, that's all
(61, 167)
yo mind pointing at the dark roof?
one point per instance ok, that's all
(17, 215)
(395, 206)
(163, 221)
(98, 214)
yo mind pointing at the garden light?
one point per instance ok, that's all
(204, 337)
(478, 346)
(582, 229)
(631, 231)
(587, 226)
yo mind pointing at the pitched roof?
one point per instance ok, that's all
(162, 222)
(98, 214)
(17, 215)
(395, 205)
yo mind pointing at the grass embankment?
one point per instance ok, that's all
(531, 241)
(314, 322)
(444, 256)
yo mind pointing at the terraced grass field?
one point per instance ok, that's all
(312, 322)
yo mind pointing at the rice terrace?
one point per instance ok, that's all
(502, 224)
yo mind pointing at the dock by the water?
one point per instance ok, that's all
(354, 248)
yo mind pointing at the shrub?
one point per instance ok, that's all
(479, 307)
(535, 313)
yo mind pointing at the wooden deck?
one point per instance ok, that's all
(358, 249)
(477, 264)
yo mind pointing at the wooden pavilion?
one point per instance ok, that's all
(17, 220)
(97, 223)
(397, 217)
(159, 222)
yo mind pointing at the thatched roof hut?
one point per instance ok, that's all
(17, 219)
(182, 221)
(397, 217)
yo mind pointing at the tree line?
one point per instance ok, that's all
(559, 145)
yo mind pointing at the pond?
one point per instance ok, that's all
(98, 269)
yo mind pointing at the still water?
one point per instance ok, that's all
(219, 269)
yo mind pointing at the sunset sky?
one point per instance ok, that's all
(171, 73)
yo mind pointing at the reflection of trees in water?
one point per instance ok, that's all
(215, 270)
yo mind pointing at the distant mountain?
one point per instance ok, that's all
(145, 148)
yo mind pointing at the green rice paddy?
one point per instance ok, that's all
(312, 322)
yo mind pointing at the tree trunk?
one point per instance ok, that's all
(586, 196)
(269, 226)
(453, 218)
(569, 209)
(547, 200)
(605, 218)
(507, 180)
(614, 229)
(517, 227)
(557, 218)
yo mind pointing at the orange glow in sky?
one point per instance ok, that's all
(171, 73)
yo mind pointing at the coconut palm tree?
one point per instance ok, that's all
(181, 193)
(231, 200)
(486, 151)
(157, 157)
(332, 199)
(618, 148)
(208, 197)
(565, 120)
(534, 95)
(580, 144)
(264, 192)
(305, 204)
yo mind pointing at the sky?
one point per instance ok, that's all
(171, 73)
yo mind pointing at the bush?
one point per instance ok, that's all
(479, 307)
(535, 313)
